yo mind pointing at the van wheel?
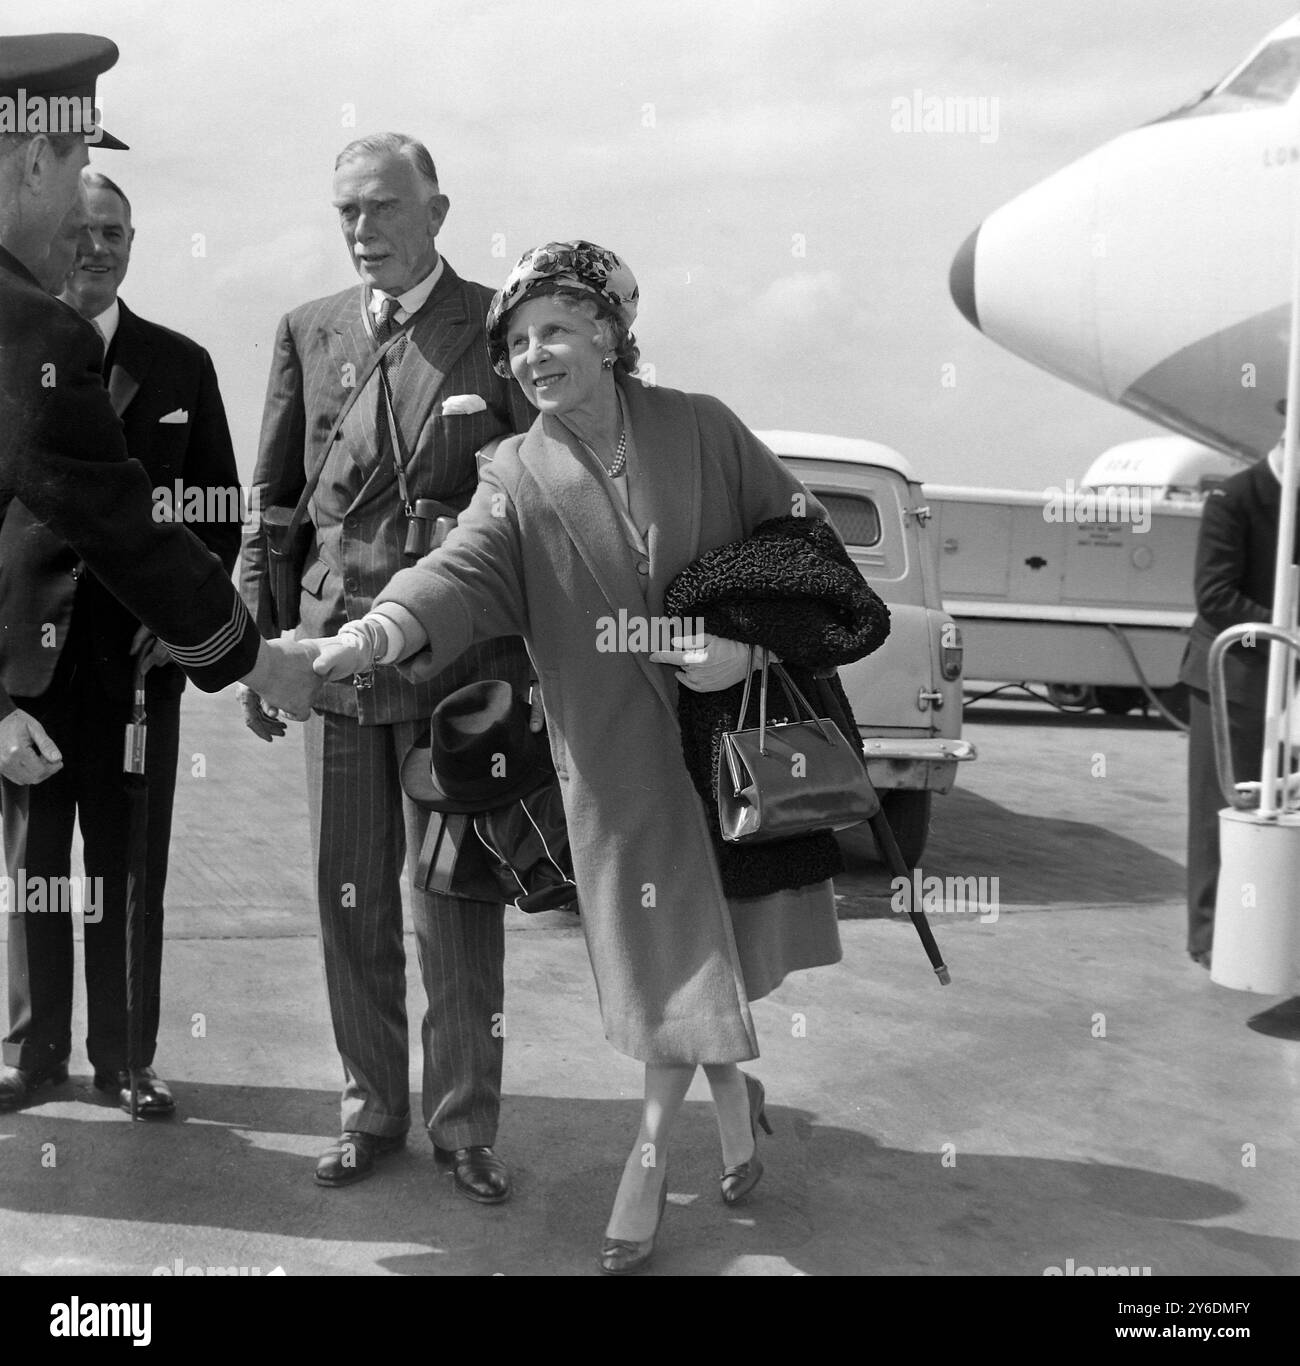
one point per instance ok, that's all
(1072, 695)
(1119, 701)
(908, 814)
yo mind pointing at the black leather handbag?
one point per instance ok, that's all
(791, 778)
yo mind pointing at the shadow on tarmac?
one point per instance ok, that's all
(832, 1201)
(1041, 862)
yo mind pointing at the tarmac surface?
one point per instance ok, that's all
(1082, 1093)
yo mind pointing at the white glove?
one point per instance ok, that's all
(707, 663)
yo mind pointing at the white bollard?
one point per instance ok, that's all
(1257, 908)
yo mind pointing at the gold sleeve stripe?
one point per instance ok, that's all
(218, 644)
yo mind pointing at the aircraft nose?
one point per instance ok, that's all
(961, 280)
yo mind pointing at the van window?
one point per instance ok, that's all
(856, 519)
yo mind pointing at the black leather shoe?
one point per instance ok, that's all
(18, 1083)
(353, 1157)
(479, 1173)
(153, 1099)
(620, 1257)
(738, 1181)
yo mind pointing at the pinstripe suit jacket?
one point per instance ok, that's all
(356, 510)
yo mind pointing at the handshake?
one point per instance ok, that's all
(288, 676)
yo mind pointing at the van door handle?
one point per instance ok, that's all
(924, 699)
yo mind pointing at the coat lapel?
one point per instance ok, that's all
(667, 482)
(354, 345)
(442, 331)
(567, 477)
(132, 353)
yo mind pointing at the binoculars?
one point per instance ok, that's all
(427, 527)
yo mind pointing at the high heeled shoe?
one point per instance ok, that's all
(738, 1181)
(621, 1256)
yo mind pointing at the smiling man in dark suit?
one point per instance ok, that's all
(164, 389)
(446, 403)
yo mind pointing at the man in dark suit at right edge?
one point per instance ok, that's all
(1235, 557)
(64, 455)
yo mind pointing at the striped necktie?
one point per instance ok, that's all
(384, 329)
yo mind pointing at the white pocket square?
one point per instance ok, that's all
(180, 415)
(463, 403)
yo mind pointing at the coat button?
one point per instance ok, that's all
(643, 566)
(352, 583)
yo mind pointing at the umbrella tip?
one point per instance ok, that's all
(941, 972)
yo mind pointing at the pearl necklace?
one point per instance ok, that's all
(620, 456)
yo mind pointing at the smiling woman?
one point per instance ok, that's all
(580, 523)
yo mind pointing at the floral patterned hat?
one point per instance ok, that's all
(578, 265)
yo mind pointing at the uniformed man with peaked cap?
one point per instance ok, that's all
(63, 454)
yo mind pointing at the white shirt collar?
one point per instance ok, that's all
(412, 301)
(1274, 459)
(107, 322)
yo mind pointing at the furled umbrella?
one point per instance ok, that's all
(137, 909)
(883, 832)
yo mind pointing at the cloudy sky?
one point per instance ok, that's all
(792, 247)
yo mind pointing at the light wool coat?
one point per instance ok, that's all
(541, 552)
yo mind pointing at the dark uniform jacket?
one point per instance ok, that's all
(156, 374)
(63, 456)
(1235, 557)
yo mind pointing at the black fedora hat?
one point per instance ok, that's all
(480, 752)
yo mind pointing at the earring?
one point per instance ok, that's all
(607, 363)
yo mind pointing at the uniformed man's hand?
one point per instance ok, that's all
(536, 716)
(155, 652)
(283, 676)
(266, 725)
(27, 754)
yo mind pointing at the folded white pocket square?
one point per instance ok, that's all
(463, 403)
(180, 415)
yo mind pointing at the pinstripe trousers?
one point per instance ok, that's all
(361, 826)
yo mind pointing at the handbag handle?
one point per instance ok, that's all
(793, 695)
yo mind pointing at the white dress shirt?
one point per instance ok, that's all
(412, 301)
(105, 323)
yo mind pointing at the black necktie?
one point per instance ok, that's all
(384, 329)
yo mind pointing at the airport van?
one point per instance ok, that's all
(1085, 589)
(907, 696)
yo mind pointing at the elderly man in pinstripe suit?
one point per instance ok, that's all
(446, 403)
